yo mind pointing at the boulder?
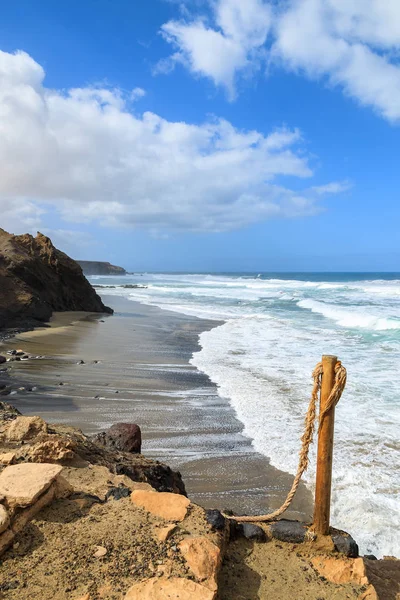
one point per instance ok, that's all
(2, 359)
(203, 558)
(288, 531)
(341, 570)
(21, 485)
(251, 532)
(174, 588)
(216, 519)
(345, 544)
(125, 437)
(171, 507)
(24, 428)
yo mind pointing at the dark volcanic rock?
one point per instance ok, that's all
(2, 359)
(251, 532)
(37, 279)
(345, 544)
(215, 519)
(288, 531)
(118, 493)
(92, 267)
(126, 437)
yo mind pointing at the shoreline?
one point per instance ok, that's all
(143, 375)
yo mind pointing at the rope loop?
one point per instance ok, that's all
(307, 437)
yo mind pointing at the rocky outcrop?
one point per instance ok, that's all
(30, 439)
(91, 267)
(37, 279)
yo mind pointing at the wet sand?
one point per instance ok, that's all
(136, 369)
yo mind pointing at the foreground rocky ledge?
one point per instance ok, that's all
(81, 519)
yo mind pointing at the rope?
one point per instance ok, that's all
(307, 437)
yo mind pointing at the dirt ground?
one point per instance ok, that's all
(275, 571)
(54, 557)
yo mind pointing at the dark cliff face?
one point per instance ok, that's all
(91, 267)
(37, 279)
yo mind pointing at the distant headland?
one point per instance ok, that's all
(92, 267)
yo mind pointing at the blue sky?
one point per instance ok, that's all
(203, 135)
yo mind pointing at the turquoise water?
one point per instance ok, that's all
(276, 327)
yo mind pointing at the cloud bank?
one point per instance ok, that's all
(88, 154)
(353, 44)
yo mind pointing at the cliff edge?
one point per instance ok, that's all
(36, 279)
(92, 267)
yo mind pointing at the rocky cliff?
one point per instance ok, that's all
(37, 279)
(91, 267)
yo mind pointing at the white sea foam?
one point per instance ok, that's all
(262, 356)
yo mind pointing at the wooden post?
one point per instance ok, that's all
(323, 484)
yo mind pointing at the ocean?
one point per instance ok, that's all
(276, 328)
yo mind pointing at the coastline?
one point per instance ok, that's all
(143, 375)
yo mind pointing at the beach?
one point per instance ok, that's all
(136, 369)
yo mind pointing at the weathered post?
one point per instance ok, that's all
(323, 484)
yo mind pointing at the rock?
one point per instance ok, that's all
(125, 437)
(53, 449)
(288, 531)
(7, 458)
(6, 539)
(345, 544)
(370, 556)
(37, 279)
(2, 359)
(174, 588)
(24, 428)
(139, 485)
(22, 484)
(216, 519)
(165, 533)
(369, 594)
(4, 518)
(341, 570)
(80, 362)
(100, 552)
(171, 507)
(251, 532)
(8, 412)
(203, 558)
(118, 493)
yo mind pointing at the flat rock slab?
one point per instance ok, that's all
(171, 507)
(341, 570)
(175, 588)
(21, 485)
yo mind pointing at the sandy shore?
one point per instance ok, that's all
(136, 369)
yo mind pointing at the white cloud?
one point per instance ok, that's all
(233, 45)
(82, 153)
(354, 44)
(137, 93)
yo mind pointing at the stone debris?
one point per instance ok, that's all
(203, 558)
(21, 485)
(341, 570)
(171, 507)
(175, 588)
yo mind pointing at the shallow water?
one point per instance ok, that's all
(276, 329)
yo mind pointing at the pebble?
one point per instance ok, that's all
(100, 552)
